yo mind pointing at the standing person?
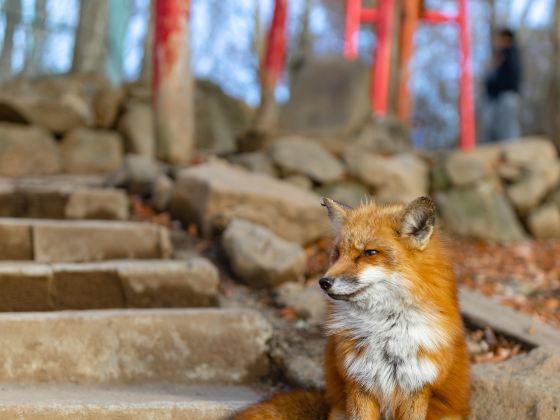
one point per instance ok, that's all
(502, 89)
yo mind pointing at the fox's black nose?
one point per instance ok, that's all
(326, 283)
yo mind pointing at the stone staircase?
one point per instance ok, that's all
(99, 321)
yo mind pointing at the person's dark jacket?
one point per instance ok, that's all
(507, 75)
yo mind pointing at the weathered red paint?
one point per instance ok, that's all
(382, 58)
(170, 16)
(172, 82)
(383, 17)
(275, 54)
(466, 99)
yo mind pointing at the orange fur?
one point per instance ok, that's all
(431, 282)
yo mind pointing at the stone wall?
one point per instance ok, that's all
(84, 125)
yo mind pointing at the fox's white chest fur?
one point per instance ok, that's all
(390, 330)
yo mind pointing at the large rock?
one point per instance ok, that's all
(525, 387)
(219, 118)
(137, 174)
(327, 93)
(137, 128)
(261, 258)
(61, 103)
(187, 346)
(480, 212)
(385, 136)
(544, 222)
(258, 162)
(467, 168)
(297, 155)
(402, 177)
(27, 151)
(86, 151)
(531, 189)
(309, 302)
(214, 193)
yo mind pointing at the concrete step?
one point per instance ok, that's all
(142, 346)
(162, 402)
(31, 286)
(62, 197)
(81, 240)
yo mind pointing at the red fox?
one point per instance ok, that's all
(396, 347)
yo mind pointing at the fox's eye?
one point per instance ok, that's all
(371, 252)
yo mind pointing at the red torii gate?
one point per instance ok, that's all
(413, 12)
(383, 17)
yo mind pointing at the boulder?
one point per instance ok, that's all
(532, 188)
(402, 177)
(261, 258)
(86, 151)
(529, 151)
(544, 222)
(258, 162)
(300, 181)
(308, 301)
(107, 103)
(297, 155)
(214, 193)
(327, 93)
(467, 168)
(385, 136)
(219, 118)
(27, 151)
(137, 174)
(349, 193)
(137, 129)
(525, 387)
(480, 212)
(61, 103)
(162, 191)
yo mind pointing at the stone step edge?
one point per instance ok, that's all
(49, 240)
(206, 402)
(125, 347)
(34, 286)
(484, 311)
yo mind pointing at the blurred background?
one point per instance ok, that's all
(43, 37)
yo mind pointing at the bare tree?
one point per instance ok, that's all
(13, 13)
(36, 42)
(90, 49)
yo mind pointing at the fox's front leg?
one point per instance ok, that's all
(361, 405)
(414, 407)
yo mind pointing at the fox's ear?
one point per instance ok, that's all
(417, 222)
(337, 211)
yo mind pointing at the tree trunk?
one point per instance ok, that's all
(13, 18)
(173, 82)
(90, 49)
(147, 60)
(555, 79)
(32, 65)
